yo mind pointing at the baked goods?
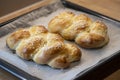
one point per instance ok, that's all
(37, 44)
(81, 28)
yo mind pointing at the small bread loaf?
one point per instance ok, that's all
(81, 28)
(37, 44)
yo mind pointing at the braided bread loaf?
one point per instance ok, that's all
(37, 44)
(80, 28)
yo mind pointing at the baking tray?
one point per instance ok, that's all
(37, 15)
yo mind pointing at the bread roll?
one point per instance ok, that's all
(80, 28)
(37, 44)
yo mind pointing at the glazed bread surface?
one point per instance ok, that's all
(80, 28)
(37, 44)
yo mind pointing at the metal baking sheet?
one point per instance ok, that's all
(90, 57)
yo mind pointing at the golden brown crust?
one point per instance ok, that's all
(27, 48)
(72, 52)
(59, 62)
(80, 28)
(43, 47)
(16, 37)
(59, 21)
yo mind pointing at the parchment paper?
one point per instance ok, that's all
(90, 57)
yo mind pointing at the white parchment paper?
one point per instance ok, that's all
(90, 57)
